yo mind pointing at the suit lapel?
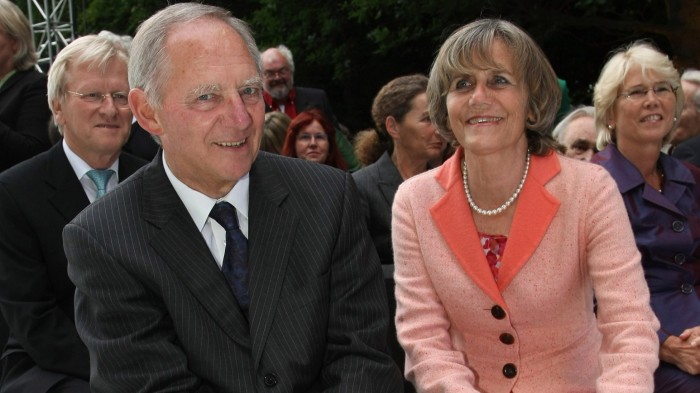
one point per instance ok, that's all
(183, 249)
(455, 223)
(534, 212)
(389, 178)
(271, 234)
(68, 196)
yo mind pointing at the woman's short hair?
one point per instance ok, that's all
(93, 50)
(394, 99)
(303, 119)
(644, 56)
(276, 124)
(469, 48)
(149, 64)
(14, 23)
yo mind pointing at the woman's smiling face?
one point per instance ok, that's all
(487, 108)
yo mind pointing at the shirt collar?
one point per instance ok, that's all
(628, 176)
(80, 167)
(199, 205)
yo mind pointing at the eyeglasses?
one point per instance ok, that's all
(120, 99)
(661, 90)
(284, 71)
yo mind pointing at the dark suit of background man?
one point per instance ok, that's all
(281, 95)
(153, 305)
(38, 197)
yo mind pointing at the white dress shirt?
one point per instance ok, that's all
(80, 167)
(199, 206)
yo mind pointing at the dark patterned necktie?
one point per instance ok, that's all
(235, 264)
(100, 177)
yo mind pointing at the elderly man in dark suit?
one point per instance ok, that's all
(280, 94)
(88, 91)
(218, 268)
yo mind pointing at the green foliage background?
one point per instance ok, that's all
(352, 47)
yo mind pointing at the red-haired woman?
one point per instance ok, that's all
(311, 136)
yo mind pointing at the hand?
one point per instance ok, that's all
(683, 350)
(692, 336)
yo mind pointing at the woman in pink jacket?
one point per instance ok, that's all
(501, 251)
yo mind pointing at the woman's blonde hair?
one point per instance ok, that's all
(275, 131)
(15, 24)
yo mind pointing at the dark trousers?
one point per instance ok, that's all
(670, 379)
(19, 374)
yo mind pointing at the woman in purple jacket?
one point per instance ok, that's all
(638, 104)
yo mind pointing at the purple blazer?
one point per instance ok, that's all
(667, 231)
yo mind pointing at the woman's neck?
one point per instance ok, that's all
(4, 71)
(407, 165)
(643, 156)
(493, 177)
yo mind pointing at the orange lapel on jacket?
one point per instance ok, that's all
(453, 217)
(534, 212)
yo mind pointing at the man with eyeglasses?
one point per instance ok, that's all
(280, 94)
(88, 95)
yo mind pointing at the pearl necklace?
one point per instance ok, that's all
(507, 203)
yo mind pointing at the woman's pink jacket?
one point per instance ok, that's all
(570, 241)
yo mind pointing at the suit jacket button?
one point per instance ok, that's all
(678, 226)
(498, 312)
(510, 371)
(270, 380)
(679, 258)
(507, 338)
(686, 288)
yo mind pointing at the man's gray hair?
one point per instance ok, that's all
(692, 75)
(287, 55)
(560, 130)
(148, 65)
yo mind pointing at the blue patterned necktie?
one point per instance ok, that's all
(235, 264)
(100, 177)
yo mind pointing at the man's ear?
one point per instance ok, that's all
(57, 109)
(144, 112)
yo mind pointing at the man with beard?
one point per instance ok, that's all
(280, 94)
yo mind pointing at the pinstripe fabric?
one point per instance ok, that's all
(157, 314)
